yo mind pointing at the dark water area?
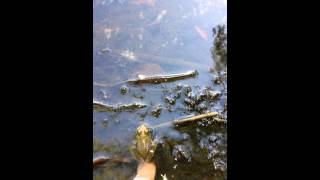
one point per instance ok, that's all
(158, 37)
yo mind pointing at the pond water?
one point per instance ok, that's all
(158, 37)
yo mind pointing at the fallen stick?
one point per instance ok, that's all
(183, 121)
(100, 107)
(152, 79)
(103, 159)
(162, 78)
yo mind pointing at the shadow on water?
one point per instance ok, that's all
(153, 37)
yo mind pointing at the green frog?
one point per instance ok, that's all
(144, 147)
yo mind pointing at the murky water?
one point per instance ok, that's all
(153, 37)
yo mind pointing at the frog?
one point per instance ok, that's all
(144, 147)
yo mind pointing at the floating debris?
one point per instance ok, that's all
(163, 78)
(100, 107)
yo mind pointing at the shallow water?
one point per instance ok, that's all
(152, 37)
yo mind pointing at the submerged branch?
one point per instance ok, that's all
(163, 78)
(152, 79)
(100, 107)
(183, 121)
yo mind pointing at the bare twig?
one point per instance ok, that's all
(163, 78)
(152, 79)
(98, 106)
(191, 119)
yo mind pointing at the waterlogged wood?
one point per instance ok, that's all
(163, 78)
(98, 106)
(103, 159)
(183, 121)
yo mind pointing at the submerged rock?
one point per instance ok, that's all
(216, 146)
(104, 122)
(219, 164)
(170, 99)
(190, 102)
(156, 112)
(181, 153)
(186, 90)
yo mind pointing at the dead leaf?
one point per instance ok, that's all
(203, 34)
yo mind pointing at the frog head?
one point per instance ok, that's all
(143, 131)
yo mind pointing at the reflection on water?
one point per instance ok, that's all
(151, 37)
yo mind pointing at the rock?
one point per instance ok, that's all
(191, 95)
(219, 164)
(181, 153)
(190, 102)
(179, 87)
(171, 100)
(186, 90)
(177, 95)
(185, 136)
(201, 107)
(211, 95)
(156, 112)
(104, 122)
